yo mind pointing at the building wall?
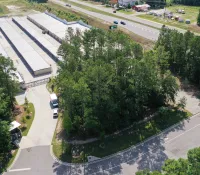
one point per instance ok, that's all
(42, 71)
(126, 2)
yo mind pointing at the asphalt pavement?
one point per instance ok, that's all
(139, 29)
(132, 17)
(172, 143)
(43, 126)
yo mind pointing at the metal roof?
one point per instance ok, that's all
(25, 25)
(55, 26)
(2, 52)
(32, 58)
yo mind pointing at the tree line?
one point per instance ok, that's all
(184, 53)
(187, 2)
(156, 3)
(106, 81)
(189, 166)
(8, 90)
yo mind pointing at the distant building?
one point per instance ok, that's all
(142, 7)
(126, 2)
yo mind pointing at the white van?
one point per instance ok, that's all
(54, 100)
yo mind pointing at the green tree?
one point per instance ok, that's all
(179, 167)
(148, 172)
(198, 18)
(8, 87)
(5, 143)
(106, 81)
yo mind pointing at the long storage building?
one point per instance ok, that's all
(47, 46)
(54, 26)
(33, 61)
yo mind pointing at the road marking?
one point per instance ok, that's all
(183, 133)
(147, 151)
(22, 169)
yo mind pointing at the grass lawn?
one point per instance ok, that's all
(126, 139)
(127, 12)
(3, 10)
(191, 13)
(28, 119)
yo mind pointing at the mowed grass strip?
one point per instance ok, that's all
(28, 118)
(113, 144)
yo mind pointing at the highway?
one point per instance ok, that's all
(141, 30)
(132, 17)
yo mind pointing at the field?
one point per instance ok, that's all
(191, 13)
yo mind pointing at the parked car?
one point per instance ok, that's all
(15, 134)
(68, 5)
(123, 23)
(55, 113)
(54, 100)
(115, 22)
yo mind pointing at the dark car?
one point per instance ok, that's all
(68, 5)
(123, 23)
(115, 22)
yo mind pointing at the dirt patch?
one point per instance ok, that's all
(18, 113)
(60, 132)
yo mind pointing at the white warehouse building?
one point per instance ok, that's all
(29, 56)
(54, 26)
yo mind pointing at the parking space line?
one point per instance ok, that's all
(22, 169)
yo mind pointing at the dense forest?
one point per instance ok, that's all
(189, 166)
(184, 53)
(187, 2)
(8, 90)
(106, 82)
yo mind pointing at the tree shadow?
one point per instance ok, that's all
(190, 89)
(67, 169)
(151, 154)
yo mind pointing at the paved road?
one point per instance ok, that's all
(141, 30)
(43, 126)
(173, 143)
(128, 16)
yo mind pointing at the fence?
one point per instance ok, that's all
(36, 83)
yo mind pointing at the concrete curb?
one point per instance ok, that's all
(120, 152)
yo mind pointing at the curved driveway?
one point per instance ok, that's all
(37, 160)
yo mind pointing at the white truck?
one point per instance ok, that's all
(54, 100)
